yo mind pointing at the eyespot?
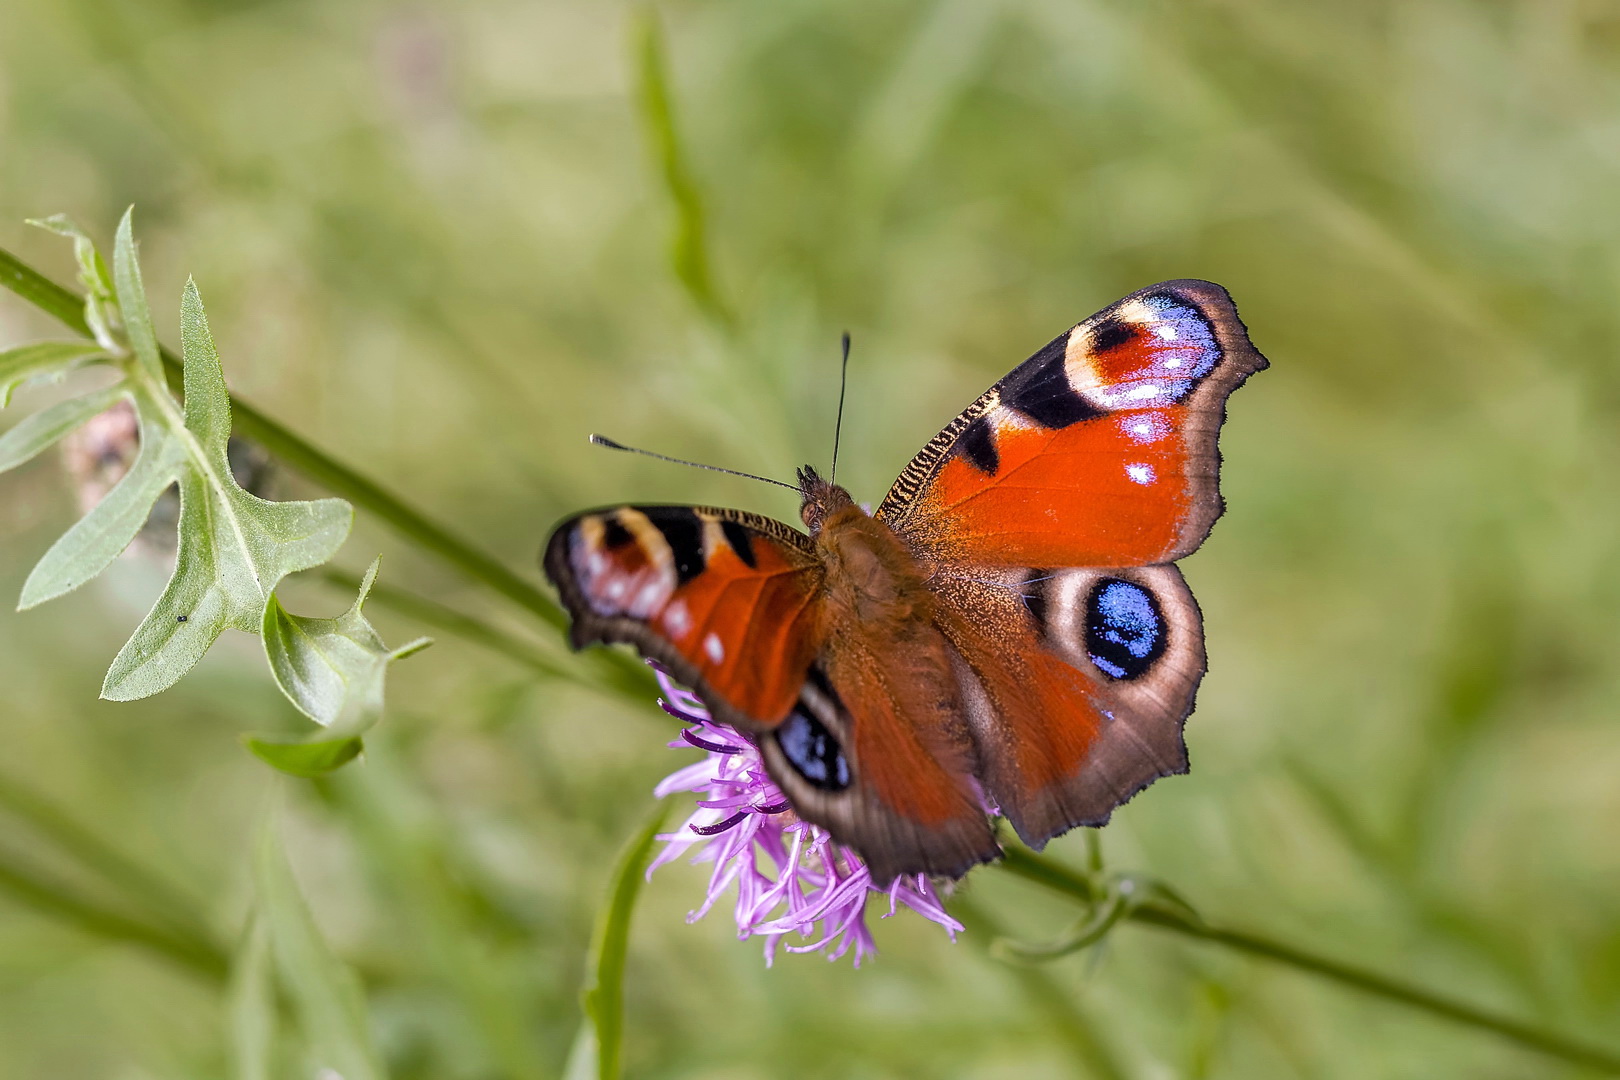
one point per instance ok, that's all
(813, 751)
(1125, 630)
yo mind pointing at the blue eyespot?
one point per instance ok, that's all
(1125, 630)
(813, 751)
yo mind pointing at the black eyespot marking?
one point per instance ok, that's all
(1125, 630)
(1045, 394)
(180, 618)
(1111, 333)
(813, 752)
(615, 535)
(684, 533)
(741, 544)
(977, 443)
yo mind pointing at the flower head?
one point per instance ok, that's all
(791, 876)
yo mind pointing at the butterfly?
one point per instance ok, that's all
(1008, 629)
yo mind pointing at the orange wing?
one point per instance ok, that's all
(726, 600)
(1099, 450)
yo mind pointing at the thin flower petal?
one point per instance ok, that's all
(790, 877)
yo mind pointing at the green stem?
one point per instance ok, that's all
(1072, 1024)
(1032, 867)
(68, 307)
(438, 616)
(162, 900)
(52, 898)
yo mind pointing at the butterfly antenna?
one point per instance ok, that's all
(838, 427)
(603, 440)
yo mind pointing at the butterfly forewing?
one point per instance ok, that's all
(1099, 450)
(726, 600)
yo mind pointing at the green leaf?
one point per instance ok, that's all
(132, 303)
(93, 276)
(307, 759)
(26, 362)
(234, 547)
(333, 670)
(325, 995)
(252, 1004)
(96, 540)
(48, 425)
(601, 1037)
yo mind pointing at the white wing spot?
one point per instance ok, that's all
(1142, 474)
(677, 619)
(1173, 362)
(712, 647)
(1166, 331)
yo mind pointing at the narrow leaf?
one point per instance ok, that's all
(604, 979)
(93, 276)
(305, 759)
(137, 317)
(325, 994)
(41, 358)
(48, 425)
(252, 1003)
(97, 538)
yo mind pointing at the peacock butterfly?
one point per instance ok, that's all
(1007, 626)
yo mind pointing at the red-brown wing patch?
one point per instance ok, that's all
(878, 754)
(726, 600)
(1100, 450)
(1076, 684)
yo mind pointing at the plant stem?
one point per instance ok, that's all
(1031, 867)
(53, 898)
(1073, 1025)
(68, 307)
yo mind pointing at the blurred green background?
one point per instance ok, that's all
(436, 239)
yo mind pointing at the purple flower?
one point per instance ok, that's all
(791, 877)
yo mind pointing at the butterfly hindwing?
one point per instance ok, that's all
(1099, 450)
(726, 600)
(1076, 683)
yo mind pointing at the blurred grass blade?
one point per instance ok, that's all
(41, 358)
(601, 1036)
(946, 53)
(252, 1005)
(689, 250)
(45, 427)
(98, 538)
(234, 548)
(325, 994)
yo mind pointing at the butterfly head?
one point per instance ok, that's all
(822, 498)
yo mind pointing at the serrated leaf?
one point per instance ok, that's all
(43, 428)
(306, 759)
(234, 548)
(41, 358)
(332, 669)
(131, 295)
(323, 991)
(97, 538)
